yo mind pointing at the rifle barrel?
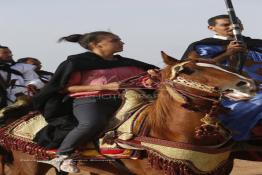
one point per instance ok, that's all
(237, 32)
(234, 20)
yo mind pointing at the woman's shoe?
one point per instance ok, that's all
(69, 165)
(56, 162)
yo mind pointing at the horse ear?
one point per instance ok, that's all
(168, 59)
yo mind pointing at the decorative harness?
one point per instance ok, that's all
(208, 120)
(171, 155)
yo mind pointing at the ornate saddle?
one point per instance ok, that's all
(19, 134)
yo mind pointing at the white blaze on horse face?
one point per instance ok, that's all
(221, 69)
(177, 68)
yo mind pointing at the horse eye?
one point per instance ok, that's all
(187, 70)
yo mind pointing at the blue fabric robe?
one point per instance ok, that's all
(244, 115)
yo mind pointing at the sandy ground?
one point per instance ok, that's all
(241, 167)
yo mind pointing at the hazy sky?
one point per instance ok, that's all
(31, 27)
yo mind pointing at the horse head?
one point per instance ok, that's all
(189, 100)
(206, 77)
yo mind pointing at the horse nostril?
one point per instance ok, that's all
(216, 88)
(241, 83)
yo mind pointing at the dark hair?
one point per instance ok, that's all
(3, 47)
(212, 21)
(24, 60)
(85, 39)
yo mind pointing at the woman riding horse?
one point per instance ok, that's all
(92, 80)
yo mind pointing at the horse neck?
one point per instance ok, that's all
(169, 120)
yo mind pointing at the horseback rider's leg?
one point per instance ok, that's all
(244, 115)
(93, 115)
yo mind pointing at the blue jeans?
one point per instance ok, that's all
(93, 114)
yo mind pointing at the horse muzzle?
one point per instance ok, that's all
(242, 90)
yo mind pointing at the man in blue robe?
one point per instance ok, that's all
(221, 49)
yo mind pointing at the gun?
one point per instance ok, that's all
(236, 24)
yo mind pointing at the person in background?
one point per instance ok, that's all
(16, 78)
(44, 76)
(222, 49)
(92, 79)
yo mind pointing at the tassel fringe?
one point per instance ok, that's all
(183, 167)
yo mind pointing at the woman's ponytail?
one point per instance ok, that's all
(75, 38)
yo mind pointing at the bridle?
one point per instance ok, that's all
(156, 147)
(175, 81)
(178, 84)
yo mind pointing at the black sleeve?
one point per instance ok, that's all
(190, 48)
(55, 84)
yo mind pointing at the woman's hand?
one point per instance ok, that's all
(153, 78)
(154, 73)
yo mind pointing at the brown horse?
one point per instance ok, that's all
(183, 135)
(8, 115)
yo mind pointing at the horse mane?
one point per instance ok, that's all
(160, 108)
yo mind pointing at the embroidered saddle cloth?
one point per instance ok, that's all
(19, 135)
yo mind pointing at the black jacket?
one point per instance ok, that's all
(57, 107)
